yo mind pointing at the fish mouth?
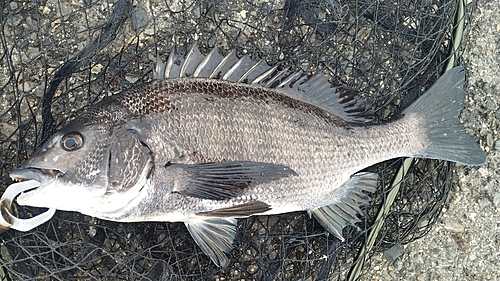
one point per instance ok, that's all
(33, 173)
(24, 175)
(29, 181)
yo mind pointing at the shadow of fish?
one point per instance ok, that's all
(217, 138)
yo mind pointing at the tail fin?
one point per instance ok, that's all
(440, 106)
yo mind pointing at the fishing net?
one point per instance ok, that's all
(59, 56)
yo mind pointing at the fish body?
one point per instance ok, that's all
(218, 138)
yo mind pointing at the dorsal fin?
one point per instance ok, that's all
(315, 90)
(191, 61)
(208, 65)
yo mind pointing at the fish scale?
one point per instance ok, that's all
(318, 139)
(217, 138)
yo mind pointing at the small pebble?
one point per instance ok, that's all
(497, 145)
(45, 10)
(139, 18)
(496, 199)
(483, 203)
(96, 69)
(243, 14)
(453, 226)
(252, 268)
(394, 252)
(131, 79)
(487, 78)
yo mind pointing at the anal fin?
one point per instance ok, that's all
(343, 213)
(214, 236)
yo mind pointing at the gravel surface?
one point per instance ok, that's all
(465, 243)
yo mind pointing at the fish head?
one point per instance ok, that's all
(89, 168)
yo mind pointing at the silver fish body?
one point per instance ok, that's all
(205, 128)
(234, 139)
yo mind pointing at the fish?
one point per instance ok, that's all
(216, 138)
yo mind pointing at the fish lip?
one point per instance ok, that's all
(33, 173)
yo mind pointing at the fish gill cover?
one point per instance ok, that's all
(57, 57)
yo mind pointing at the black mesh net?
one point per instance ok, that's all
(59, 56)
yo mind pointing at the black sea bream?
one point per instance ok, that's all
(217, 138)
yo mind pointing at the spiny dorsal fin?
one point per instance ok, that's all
(208, 65)
(191, 61)
(315, 90)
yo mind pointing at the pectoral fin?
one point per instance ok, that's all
(215, 237)
(223, 180)
(339, 215)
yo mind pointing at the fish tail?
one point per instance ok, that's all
(440, 107)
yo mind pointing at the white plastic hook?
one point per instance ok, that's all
(7, 220)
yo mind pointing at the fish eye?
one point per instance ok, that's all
(71, 141)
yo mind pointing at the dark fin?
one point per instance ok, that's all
(159, 72)
(223, 180)
(191, 61)
(208, 65)
(220, 70)
(173, 65)
(316, 90)
(254, 71)
(242, 210)
(238, 69)
(215, 237)
(339, 215)
(440, 106)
